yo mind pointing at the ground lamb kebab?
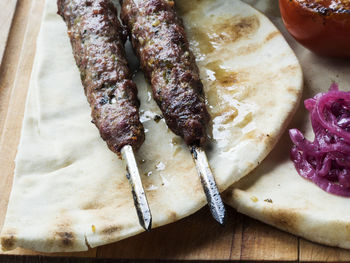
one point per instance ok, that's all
(159, 40)
(97, 40)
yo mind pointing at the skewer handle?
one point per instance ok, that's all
(138, 193)
(212, 193)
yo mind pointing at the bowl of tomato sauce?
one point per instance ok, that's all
(323, 26)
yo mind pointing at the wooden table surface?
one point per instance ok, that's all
(197, 237)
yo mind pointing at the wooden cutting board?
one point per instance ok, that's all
(197, 237)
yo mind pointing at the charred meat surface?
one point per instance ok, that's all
(159, 40)
(97, 40)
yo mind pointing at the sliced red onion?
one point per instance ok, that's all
(326, 160)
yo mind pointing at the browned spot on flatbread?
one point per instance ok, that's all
(292, 90)
(253, 47)
(110, 230)
(290, 69)
(252, 135)
(9, 240)
(67, 238)
(228, 30)
(232, 29)
(272, 35)
(250, 166)
(286, 219)
(63, 235)
(219, 31)
(172, 216)
(92, 205)
(246, 50)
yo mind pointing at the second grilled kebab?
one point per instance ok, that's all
(159, 39)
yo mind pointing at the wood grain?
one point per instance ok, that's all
(12, 80)
(197, 237)
(261, 241)
(11, 58)
(9, 7)
(312, 252)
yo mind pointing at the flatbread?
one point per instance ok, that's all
(70, 191)
(274, 193)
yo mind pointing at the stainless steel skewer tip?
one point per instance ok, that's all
(211, 190)
(138, 193)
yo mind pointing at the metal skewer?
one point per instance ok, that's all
(212, 193)
(138, 193)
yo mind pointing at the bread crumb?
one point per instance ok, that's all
(254, 199)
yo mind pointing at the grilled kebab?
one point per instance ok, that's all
(97, 40)
(159, 40)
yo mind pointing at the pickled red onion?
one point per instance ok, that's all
(326, 160)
